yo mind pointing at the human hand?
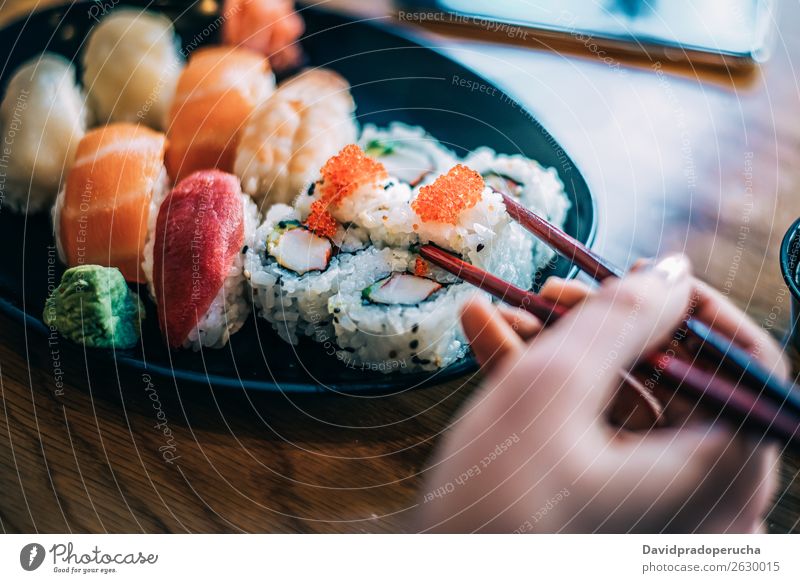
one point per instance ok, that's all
(534, 450)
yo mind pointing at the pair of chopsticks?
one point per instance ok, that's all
(758, 400)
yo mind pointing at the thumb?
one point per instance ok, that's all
(490, 336)
(614, 327)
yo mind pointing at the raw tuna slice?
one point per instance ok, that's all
(200, 230)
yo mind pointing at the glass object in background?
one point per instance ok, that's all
(711, 32)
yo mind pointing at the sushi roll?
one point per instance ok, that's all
(131, 65)
(194, 258)
(398, 317)
(42, 118)
(538, 188)
(293, 271)
(355, 199)
(408, 153)
(291, 135)
(458, 212)
(217, 91)
(115, 184)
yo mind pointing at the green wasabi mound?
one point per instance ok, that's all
(93, 306)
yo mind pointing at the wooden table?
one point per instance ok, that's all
(678, 161)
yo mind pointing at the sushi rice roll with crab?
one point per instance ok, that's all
(538, 188)
(460, 214)
(399, 315)
(408, 153)
(354, 200)
(194, 260)
(293, 271)
(301, 254)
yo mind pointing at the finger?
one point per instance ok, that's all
(525, 324)
(610, 330)
(696, 479)
(565, 292)
(491, 337)
(710, 306)
(634, 407)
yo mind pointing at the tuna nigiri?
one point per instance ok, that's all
(216, 93)
(101, 215)
(194, 260)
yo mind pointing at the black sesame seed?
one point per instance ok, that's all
(337, 310)
(311, 189)
(480, 247)
(413, 344)
(415, 328)
(388, 185)
(336, 320)
(245, 248)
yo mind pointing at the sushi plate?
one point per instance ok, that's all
(395, 77)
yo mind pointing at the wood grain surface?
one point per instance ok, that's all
(679, 160)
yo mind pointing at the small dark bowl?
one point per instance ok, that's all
(790, 261)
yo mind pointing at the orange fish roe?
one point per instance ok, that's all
(420, 267)
(348, 170)
(320, 221)
(450, 195)
(341, 176)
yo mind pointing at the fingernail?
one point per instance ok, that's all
(672, 267)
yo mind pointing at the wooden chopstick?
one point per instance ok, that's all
(715, 347)
(712, 392)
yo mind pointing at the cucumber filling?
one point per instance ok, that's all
(401, 160)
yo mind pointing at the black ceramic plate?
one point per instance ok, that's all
(394, 78)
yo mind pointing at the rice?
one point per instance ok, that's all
(408, 338)
(230, 307)
(540, 189)
(297, 305)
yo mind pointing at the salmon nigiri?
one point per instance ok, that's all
(271, 27)
(101, 215)
(216, 92)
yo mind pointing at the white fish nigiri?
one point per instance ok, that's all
(131, 66)
(42, 119)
